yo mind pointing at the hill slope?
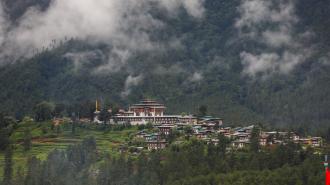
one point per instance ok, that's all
(205, 67)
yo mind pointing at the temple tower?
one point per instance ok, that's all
(97, 112)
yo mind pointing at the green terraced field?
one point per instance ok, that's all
(44, 142)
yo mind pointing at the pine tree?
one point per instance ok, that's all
(43, 111)
(33, 172)
(74, 120)
(27, 140)
(222, 145)
(19, 177)
(73, 128)
(255, 146)
(58, 129)
(327, 136)
(202, 111)
(8, 168)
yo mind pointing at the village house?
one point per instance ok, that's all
(208, 126)
(156, 144)
(84, 120)
(247, 130)
(165, 129)
(122, 148)
(312, 141)
(316, 141)
(263, 140)
(304, 141)
(151, 137)
(294, 137)
(200, 134)
(241, 136)
(211, 121)
(215, 142)
(141, 134)
(197, 128)
(225, 131)
(240, 144)
(59, 121)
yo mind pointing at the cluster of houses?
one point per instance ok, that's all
(206, 128)
(239, 137)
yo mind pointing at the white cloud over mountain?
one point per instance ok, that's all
(271, 24)
(130, 82)
(124, 24)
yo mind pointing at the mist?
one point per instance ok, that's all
(122, 24)
(271, 24)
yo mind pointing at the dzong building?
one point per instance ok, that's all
(150, 111)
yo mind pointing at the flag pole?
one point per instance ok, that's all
(327, 172)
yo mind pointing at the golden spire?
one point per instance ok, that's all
(96, 106)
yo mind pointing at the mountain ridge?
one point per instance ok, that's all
(203, 68)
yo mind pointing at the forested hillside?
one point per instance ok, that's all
(204, 61)
(191, 163)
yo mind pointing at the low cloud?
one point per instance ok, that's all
(80, 59)
(116, 60)
(271, 24)
(253, 12)
(258, 63)
(196, 77)
(278, 38)
(3, 25)
(269, 62)
(325, 60)
(171, 70)
(194, 7)
(131, 81)
(125, 25)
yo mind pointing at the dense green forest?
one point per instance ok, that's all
(192, 162)
(205, 70)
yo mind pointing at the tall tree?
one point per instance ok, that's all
(223, 144)
(4, 141)
(8, 167)
(255, 146)
(44, 111)
(327, 135)
(202, 111)
(104, 115)
(7, 125)
(27, 143)
(74, 122)
(19, 177)
(33, 171)
(59, 109)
